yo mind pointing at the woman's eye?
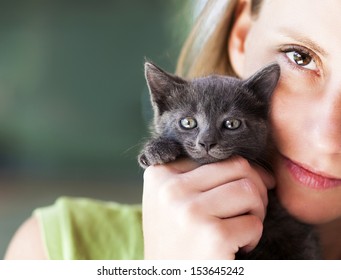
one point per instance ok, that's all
(302, 59)
(188, 123)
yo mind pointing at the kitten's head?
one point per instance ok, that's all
(213, 117)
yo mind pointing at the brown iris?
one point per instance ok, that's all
(301, 58)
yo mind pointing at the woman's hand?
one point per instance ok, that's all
(203, 212)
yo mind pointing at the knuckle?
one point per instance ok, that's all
(167, 185)
(256, 201)
(256, 224)
(213, 230)
(172, 190)
(217, 230)
(190, 210)
(173, 182)
(249, 186)
(242, 163)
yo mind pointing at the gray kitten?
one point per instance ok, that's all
(213, 118)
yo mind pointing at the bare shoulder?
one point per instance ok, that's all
(27, 242)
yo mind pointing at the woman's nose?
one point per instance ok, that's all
(327, 129)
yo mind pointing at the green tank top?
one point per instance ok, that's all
(88, 229)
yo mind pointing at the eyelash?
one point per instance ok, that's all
(300, 50)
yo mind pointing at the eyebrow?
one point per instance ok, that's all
(299, 37)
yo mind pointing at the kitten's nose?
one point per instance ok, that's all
(207, 145)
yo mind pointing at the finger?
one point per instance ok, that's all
(182, 165)
(160, 173)
(233, 169)
(233, 199)
(243, 232)
(211, 175)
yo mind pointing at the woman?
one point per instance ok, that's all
(218, 208)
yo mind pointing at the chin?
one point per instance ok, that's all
(304, 209)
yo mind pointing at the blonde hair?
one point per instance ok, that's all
(205, 50)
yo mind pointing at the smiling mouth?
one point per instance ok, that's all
(310, 178)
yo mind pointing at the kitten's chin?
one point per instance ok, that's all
(209, 158)
(203, 157)
(206, 160)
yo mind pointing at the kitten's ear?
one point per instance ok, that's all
(264, 81)
(162, 85)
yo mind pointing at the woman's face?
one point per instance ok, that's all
(304, 38)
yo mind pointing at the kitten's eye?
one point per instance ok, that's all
(232, 124)
(188, 123)
(302, 59)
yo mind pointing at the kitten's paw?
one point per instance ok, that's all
(158, 153)
(143, 161)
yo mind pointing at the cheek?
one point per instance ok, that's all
(284, 124)
(282, 120)
(291, 107)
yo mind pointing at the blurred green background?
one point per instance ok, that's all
(74, 107)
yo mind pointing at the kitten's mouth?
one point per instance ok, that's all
(208, 158)
(205, 157)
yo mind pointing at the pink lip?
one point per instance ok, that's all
(310, 178)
